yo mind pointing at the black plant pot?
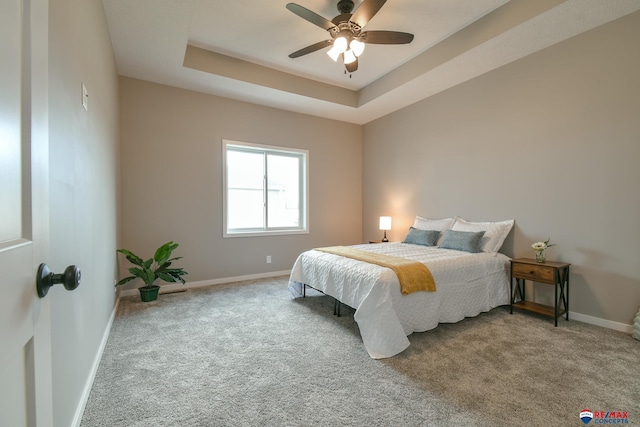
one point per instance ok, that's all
(149, 293)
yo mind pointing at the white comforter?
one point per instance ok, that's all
(467, 284)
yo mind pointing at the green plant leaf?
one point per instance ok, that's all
(137, 272)
(163, 267)
(167, 277)
(150, 277)
(164, 252)
(125, 280)
(147, 276)
(173, 275)
(133, 258)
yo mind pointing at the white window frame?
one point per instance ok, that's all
(304, 189)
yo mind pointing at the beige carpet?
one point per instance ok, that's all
(248, 354)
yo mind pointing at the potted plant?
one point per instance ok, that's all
(158, 267)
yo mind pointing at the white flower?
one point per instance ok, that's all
(541, 246)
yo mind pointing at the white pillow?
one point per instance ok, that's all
(494, 232)
(441, 225)
(433, 224)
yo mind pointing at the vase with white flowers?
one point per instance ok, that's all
(539, 248)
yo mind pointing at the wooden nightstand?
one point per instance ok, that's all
(552, 273)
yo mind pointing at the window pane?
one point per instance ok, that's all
(245, 193)
(265, 190)
(284, 191)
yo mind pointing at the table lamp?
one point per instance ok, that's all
(385, 224)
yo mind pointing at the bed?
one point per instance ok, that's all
(468, 282)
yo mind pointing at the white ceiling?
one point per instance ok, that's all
(239, 48)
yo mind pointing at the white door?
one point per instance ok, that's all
(25, 329)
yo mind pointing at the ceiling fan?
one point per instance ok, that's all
(347, 38)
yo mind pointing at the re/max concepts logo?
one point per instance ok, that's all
(602, 417)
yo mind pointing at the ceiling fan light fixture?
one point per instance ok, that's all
(357, 47)
(349, 57)
(346, 30)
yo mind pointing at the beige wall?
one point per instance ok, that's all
(83, 194)
(552, 141)
(172, 178)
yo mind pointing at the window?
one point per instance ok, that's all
(265, 189)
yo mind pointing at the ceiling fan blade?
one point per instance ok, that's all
(312, 48)
(310, 16)
(366, 10)
(386, 37)
(352, 67)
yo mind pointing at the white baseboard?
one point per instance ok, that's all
(168, 288)
(77, 419)
(610, 324)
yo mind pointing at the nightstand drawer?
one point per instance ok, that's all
(537, 273)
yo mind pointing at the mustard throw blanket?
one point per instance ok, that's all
(413, 276)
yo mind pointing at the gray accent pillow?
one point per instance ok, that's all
(468, 241)
(422, 237)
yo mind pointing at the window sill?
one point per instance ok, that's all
(264, 233)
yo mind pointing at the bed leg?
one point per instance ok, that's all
(304, 290)
(336, 307)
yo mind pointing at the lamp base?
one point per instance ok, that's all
(384, 239)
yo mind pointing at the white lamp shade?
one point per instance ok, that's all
(349, 57)
(357, 47)
(333, 53)
(339, 46)
(385, 223)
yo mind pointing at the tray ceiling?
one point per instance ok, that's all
(239, 48)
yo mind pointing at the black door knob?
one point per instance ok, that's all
(70, 279)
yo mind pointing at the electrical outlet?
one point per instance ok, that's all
(268, 259)
(85, 97)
